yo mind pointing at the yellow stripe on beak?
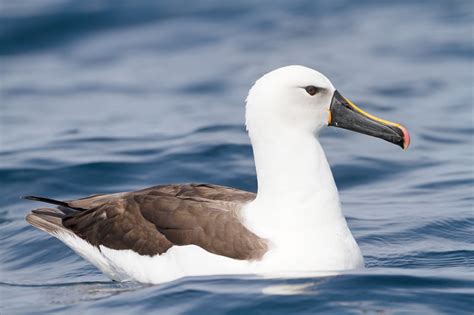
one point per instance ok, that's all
(380, 120)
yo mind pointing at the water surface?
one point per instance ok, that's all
(114, 96)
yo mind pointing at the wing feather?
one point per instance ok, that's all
(152, 220)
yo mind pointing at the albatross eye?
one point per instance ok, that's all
(311, 90)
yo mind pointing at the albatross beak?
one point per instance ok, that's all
(344, 114)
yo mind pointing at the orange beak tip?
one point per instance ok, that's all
(406, 137)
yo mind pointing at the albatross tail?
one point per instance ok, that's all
(50, 221)
(47, 219)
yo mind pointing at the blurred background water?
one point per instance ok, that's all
(107, 96)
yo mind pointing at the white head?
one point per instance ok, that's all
(292, 98)
(296, 100)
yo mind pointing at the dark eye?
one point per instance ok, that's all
(311, 90)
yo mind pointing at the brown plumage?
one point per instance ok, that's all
(152, 220)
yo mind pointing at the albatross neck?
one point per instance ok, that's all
(292, 170)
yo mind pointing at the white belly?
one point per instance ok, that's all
(182, 261)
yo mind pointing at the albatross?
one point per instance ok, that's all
(294, 223)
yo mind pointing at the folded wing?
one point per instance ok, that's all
(152, 220)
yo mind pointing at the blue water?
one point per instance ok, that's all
(112, 96)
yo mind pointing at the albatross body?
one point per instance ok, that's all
(293, 224)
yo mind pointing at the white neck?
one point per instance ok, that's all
(292, 170)
(296, 189)
(297, 206)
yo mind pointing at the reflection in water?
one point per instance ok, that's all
(289, 289)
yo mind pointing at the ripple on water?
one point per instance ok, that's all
(116, 96)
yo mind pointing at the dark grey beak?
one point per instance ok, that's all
(345, 114)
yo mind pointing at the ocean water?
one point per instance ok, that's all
(101, 96)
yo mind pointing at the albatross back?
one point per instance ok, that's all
(151, 221)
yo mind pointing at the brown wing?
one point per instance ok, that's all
(152, 220)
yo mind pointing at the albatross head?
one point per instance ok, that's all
(297, 99)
